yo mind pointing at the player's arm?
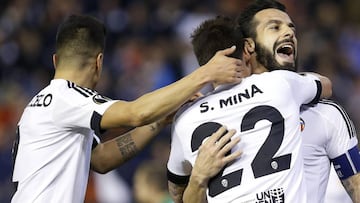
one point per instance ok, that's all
(342, 138)
(211, 159)
(352, 187)
(111, 154)
(326, 84)
(176, 191)
(154, 105)
(347, 167)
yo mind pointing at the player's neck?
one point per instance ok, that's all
(81, 78)
(257, 67)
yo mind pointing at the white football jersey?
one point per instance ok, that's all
(328, 135)
(264, 109)
(55, 136)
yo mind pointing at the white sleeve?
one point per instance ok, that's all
(82, 112)
(342, 141)
(178, 167)
(342, 134)
(306, 89)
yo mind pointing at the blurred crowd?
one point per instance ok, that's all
(148, 46)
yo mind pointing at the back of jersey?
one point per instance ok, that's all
(55, 135)
(264, 109)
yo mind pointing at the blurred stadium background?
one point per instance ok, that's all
(147, 48)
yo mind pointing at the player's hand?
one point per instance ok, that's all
(224, 69)
(212, 156)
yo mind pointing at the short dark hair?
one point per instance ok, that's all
(81, 35)
(246, 18)
(216, 34)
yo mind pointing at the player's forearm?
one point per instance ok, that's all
(157, 104)
(195, 192)
(115, 152)
(176, 192)
(352, 187)
(152, 106)
(326, 87)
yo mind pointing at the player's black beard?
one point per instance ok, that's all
(267, 59)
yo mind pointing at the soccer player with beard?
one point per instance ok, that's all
(327, 131)
(262, 108)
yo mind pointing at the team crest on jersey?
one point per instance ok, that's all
(302, 124)
(99, 99)
(271, 196)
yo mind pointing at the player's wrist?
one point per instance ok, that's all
(199, 179)
(203, 75)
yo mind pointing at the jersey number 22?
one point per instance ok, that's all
(264, 162)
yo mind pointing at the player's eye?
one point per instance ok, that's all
(274, 27)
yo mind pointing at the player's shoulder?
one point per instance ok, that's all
(181, 111)
(70, 88)
(329, 107)
(72, 93)
(66, 94)
(187, 108)
(279, 76)
(190, 108)
(288, 73)
(331, 110)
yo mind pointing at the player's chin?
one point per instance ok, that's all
(287, 65)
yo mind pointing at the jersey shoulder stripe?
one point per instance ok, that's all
(348, 121)
(83, 91)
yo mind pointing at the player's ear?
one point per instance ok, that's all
(99, 61)
(249, 46)
(55, 60)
